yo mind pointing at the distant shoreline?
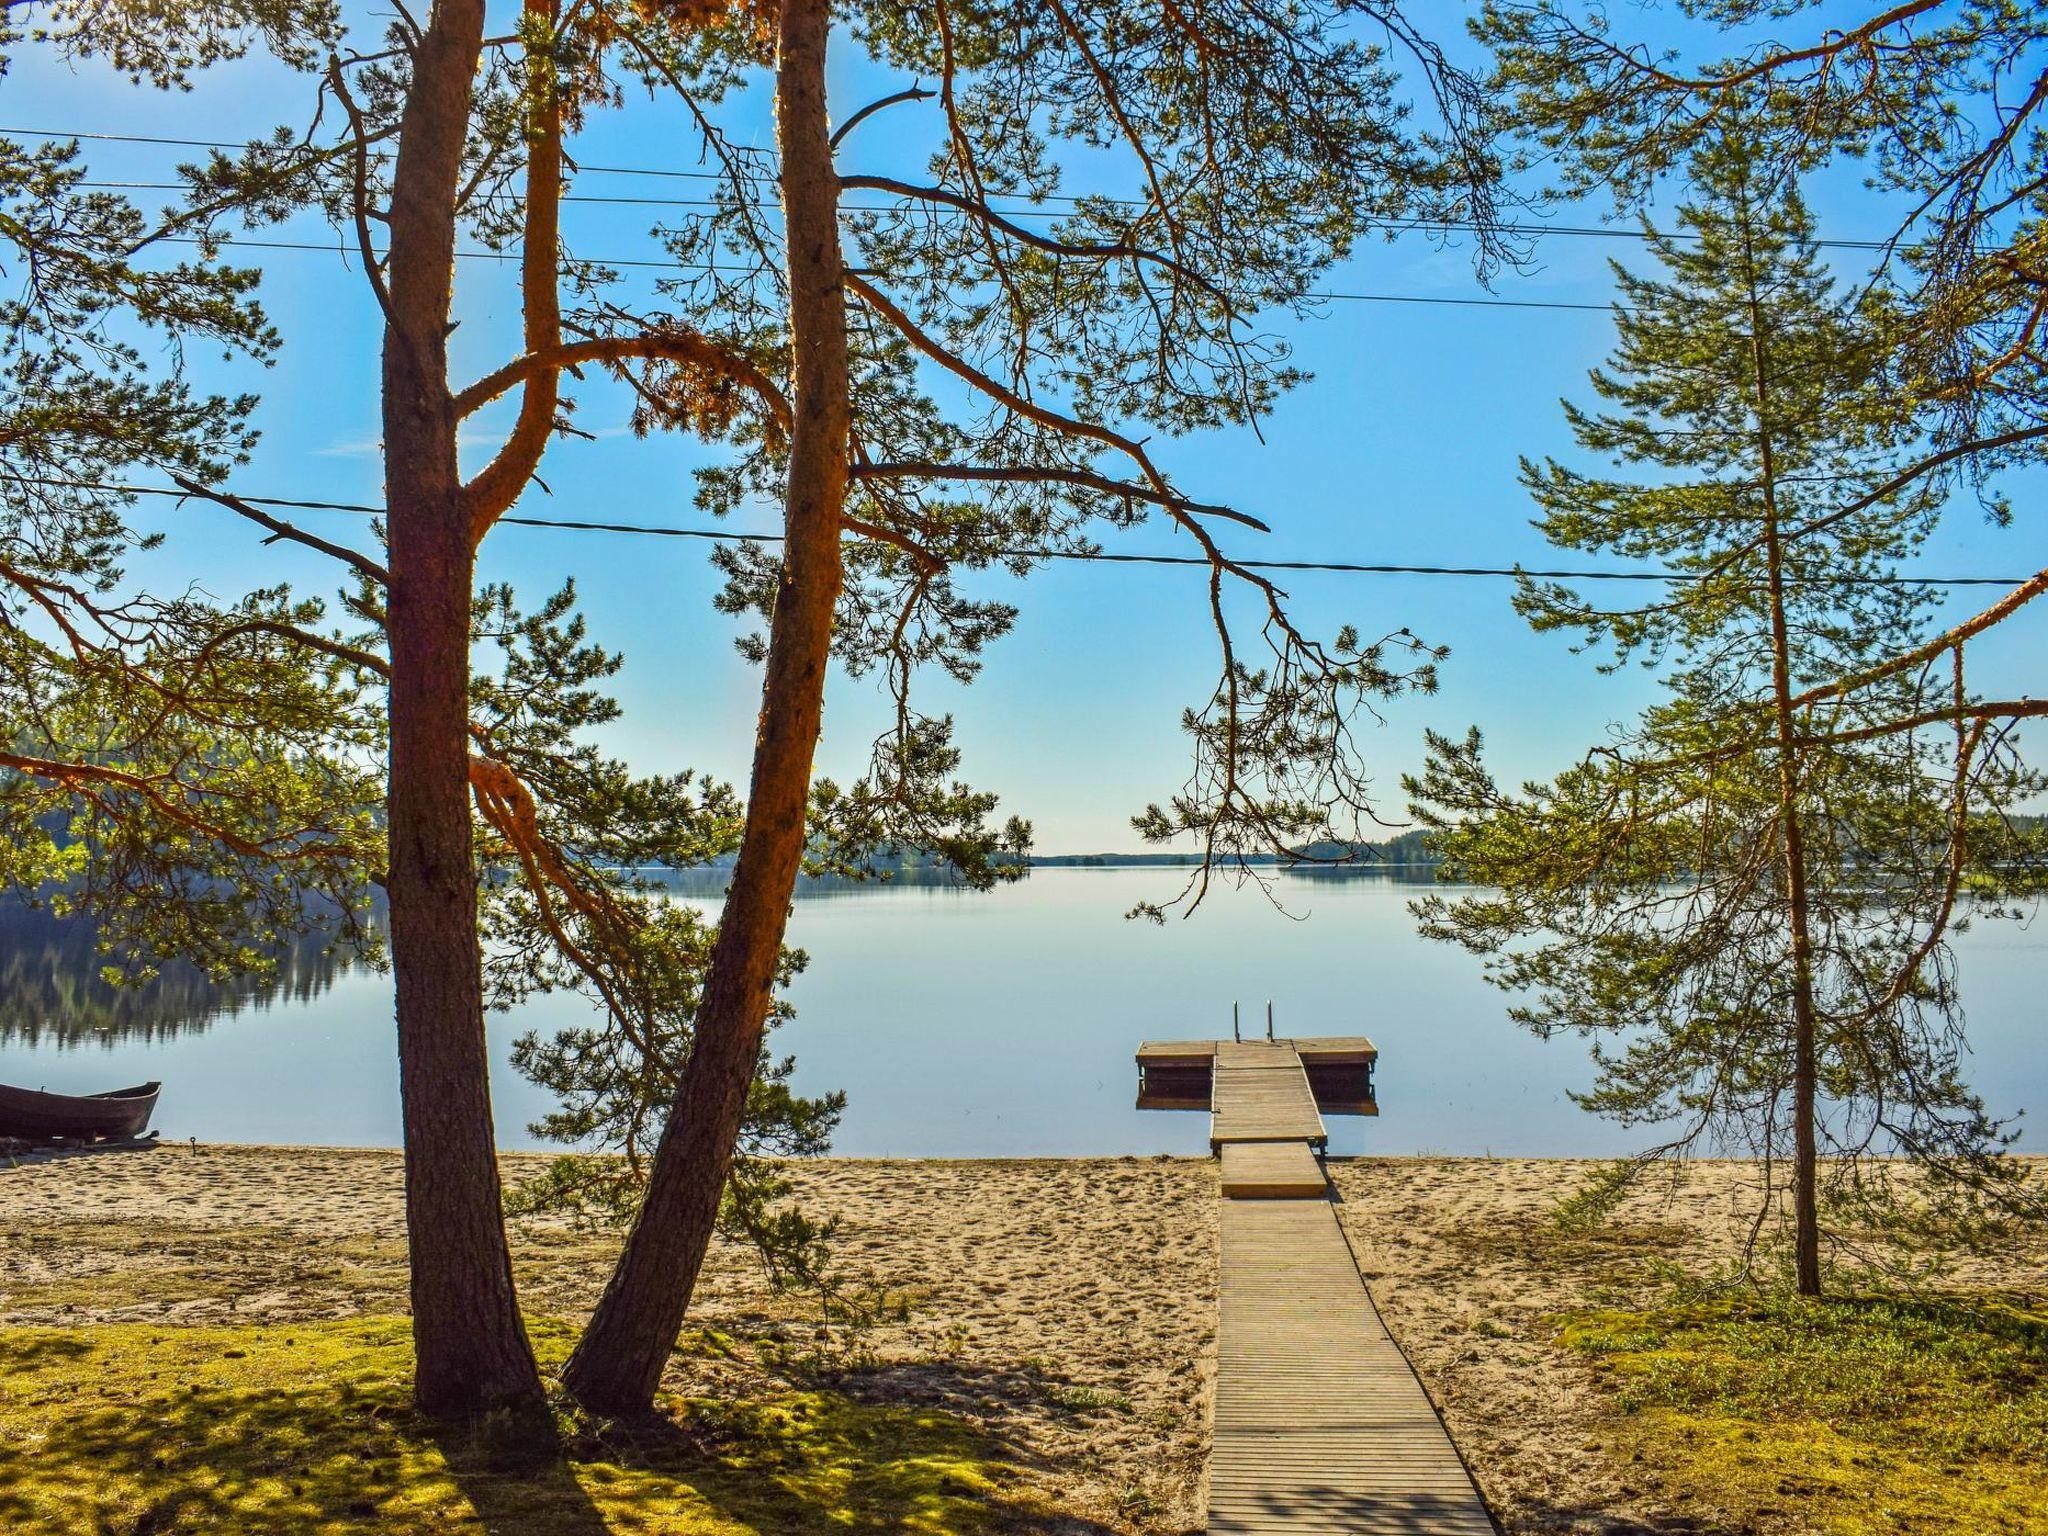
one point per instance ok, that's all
(1409, 851)
(1360, 865)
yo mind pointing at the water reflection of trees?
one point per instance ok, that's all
(53, 991)
(53, 988)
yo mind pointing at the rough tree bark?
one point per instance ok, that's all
(617, 1363)
(471, 1346)
(1805, 1155)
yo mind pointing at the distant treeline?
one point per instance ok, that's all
(911, 866)
(1409, 850)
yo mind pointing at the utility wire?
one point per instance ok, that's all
(342, 249)
(1351, 567)
(1585, 231)
(1029, 211)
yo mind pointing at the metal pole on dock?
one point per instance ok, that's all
(1235, 1033)
(1269, 1018)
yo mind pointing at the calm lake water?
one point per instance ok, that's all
(960, 1025)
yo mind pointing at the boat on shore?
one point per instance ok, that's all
(27, 1114)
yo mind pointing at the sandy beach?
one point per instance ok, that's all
(1067, 1307)
(1470, 1272)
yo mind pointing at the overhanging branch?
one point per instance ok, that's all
(1108, 485)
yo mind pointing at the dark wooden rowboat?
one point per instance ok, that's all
(34, 1116)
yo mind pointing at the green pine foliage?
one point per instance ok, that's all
(198, 774)
(1642, 897)
(1916, 100)
(576, 904)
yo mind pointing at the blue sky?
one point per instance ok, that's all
(1402, 449)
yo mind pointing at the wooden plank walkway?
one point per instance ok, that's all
(1321, 1427)
(1270, 1170)
(1260, 1093)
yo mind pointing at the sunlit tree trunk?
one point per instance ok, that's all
(617, 1364)
(472, 1351)
(1805, 1156)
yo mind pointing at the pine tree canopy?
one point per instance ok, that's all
(1647, 896)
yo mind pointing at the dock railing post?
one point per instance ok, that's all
(1235, 1033)
(1269, 1018)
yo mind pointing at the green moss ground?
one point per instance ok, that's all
(138, 1430)
(1850, 1416)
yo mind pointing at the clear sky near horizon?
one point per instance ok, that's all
(1401, 450)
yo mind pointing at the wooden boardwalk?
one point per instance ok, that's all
(1321, 1427)
(1270, 1170)
(1260, 1092)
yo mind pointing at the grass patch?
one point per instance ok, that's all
(1853, 1415)
(138, 1430)
(110, 1266)
(1085, 1399)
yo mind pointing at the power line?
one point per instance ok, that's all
(1576, 231)
(1418, 226)
(341, 248)
(1104, 557)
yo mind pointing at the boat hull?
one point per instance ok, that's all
(29, 1115)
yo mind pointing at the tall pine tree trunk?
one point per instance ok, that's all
(617, 1364)
(471, 1346)
(1805, 1074)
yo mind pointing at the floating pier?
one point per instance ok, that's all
(1181, 1074)
(1321, 1426)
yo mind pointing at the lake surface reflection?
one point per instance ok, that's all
(960, 1025)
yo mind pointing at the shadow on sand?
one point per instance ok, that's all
(15, 1153)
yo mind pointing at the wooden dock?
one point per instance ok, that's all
(1321, 1427)
(1259, 1092)
(1180, 1074)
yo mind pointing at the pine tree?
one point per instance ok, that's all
(830, 353)
(1918, 100)
(1751, 889)
(1264, 143)
(185, 772)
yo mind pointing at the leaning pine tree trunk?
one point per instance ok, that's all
(617, 1364)
(471, 1346)
(1805, 1074)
